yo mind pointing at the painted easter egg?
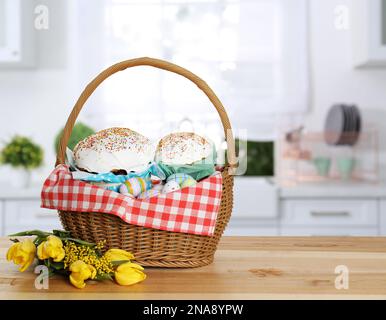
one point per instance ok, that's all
(178, 177)
(123, 189)
(171, 186)
(190, 182)
(155, 180)
(158, 187)
(135, 186)
(149, 193)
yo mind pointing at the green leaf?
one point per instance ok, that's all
(52, 272)
(84, 243)
(104, 276)
(15, 240)
(57, 265)
(38, 233)
(63, 272)
(61, 233)
(119, 262)
(47, 262)
(42, 236)
(39, 240)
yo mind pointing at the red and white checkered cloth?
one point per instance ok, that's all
(190, 210)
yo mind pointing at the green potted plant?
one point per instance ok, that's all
(79, 132)
(22, 154)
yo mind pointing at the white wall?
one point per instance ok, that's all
(35, 101)
(333, 77)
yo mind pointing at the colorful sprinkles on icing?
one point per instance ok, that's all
(114, 139)
(113, 149)
(176, 144)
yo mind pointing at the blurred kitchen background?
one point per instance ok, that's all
(303, 82)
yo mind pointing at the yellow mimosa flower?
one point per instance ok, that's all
(129, 273)
(81, 271)
(22, 253)
(118, 255)
(52, 248)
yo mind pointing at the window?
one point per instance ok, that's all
(16, 34)
(253, 53)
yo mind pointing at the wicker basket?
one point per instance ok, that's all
(151, 247)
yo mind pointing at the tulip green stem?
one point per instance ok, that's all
(104, 276)
(85, 243)
(63, 235)
(38, 233)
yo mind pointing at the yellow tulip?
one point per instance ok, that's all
(52, 248)
(81, 271)
(118, 255)
(22, 254)
(129, 273)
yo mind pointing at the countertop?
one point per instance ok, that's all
(12, 193)
(304, 190)
(244, 268)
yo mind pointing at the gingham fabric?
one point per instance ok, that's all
(189, 210)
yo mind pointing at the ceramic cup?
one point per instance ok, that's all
(346, 167)
(322, 165)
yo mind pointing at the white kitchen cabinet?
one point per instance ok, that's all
(307, 210)
(368, 29)
(23, 215)
(252, 227)
(255, 208)
(248, 231)
(254, 198)
(331, 212)
(382, 217)
(1, 218)
(20, 210)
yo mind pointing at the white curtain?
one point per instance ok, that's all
(253, 53)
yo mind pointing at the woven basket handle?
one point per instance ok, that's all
(161, 64)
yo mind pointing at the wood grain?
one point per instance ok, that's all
(244, 268)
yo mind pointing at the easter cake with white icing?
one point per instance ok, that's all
(182, 148)
(112, 150)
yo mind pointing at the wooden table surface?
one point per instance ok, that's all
(244, 268)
